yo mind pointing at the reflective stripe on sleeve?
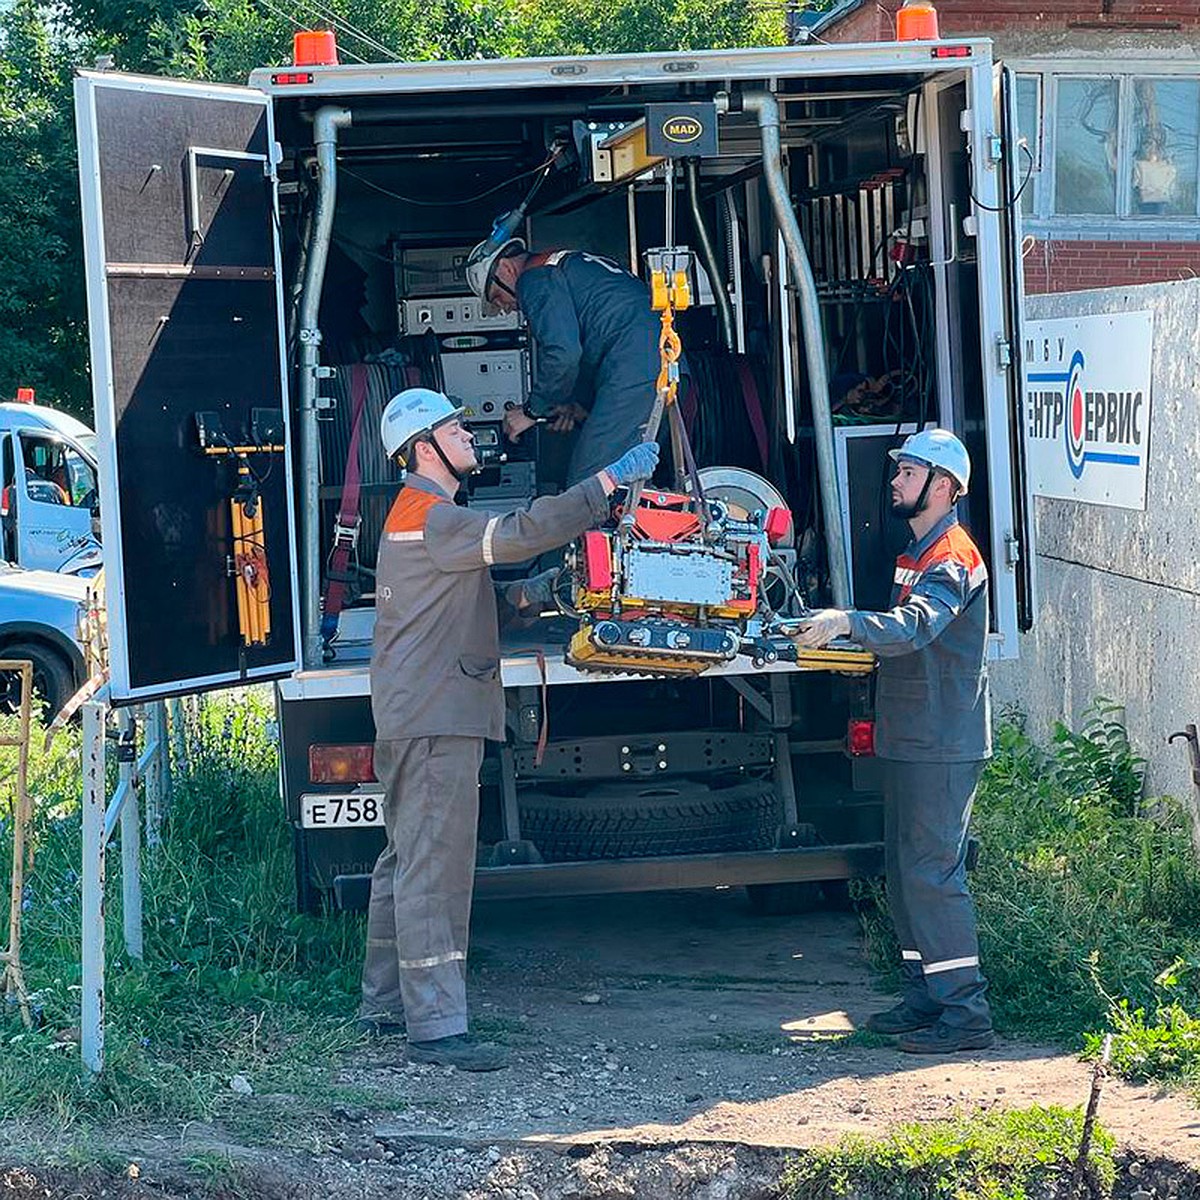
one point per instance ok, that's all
(911, 955)
(489, 554)
(436, 960)
(407, 535)
(951, 964)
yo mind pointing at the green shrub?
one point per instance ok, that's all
(1165, 1047)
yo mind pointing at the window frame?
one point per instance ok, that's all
(1124, 223)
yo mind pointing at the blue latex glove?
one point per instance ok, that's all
(638, 463)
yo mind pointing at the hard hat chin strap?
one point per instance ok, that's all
(919, 504)
(500, 285)
(923, 498)
(432, 440)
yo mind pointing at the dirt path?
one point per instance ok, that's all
(663, 1045)
(684, 1017)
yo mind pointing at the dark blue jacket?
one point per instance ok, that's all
(597, 346)
(931, 692)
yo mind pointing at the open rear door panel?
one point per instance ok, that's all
(186, 323)
(1017, 166)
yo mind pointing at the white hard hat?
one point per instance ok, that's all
(481, 263)
(937, 448)
(412, 412)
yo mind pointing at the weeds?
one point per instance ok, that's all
(1165, 1047)
(986, 1156)
(233, 980)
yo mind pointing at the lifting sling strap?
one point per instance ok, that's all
(339, 575)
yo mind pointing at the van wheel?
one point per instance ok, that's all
(624, 821)
(53, 680)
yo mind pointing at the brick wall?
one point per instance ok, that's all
(875, 20)
(1053, 266)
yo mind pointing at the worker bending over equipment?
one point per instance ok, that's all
(933, 734)
(597, 345)
(436, 695)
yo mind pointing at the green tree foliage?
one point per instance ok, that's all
(42, 303)
(42, 311)
(225, 39)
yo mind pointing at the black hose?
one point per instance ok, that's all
(716, 277)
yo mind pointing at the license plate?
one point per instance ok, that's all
(351, 810)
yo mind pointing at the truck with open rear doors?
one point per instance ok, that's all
(268, 265)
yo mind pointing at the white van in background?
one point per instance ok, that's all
(49, 503)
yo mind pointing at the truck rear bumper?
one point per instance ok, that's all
(803, 864)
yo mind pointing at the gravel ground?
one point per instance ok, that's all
(665, 1046)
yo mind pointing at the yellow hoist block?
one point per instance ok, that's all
(669, 289)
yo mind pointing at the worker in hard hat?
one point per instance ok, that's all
(933, 735)
(597, 345)
(436, 696)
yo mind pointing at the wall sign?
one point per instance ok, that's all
(1087, 407)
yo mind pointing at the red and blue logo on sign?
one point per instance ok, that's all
(1086, 416)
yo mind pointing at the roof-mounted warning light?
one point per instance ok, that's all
(314, 48)
(25, 395)
(917, 21)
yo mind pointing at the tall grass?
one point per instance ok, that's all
(233, 980)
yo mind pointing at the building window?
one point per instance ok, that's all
(1085, 147)
(1029, 127)
(1110, 148)
(1166, 127)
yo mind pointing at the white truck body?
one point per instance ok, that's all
(202, 296)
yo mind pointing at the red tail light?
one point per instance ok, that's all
(860, 738)
(341, 764)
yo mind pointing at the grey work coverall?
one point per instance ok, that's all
(933, 733)
(436, 695)
(597, 345)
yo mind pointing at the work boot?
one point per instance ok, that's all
(459, 1050)
(945, 1039)
(902, 1018)
(380, 1025)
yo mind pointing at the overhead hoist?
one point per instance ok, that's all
(684, 580)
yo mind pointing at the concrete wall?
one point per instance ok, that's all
(1119, 591)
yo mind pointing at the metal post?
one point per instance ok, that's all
(164, 755)
(91, 1024)
(131, 834)
(765, 109)
(179, 735)
(154, 722)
